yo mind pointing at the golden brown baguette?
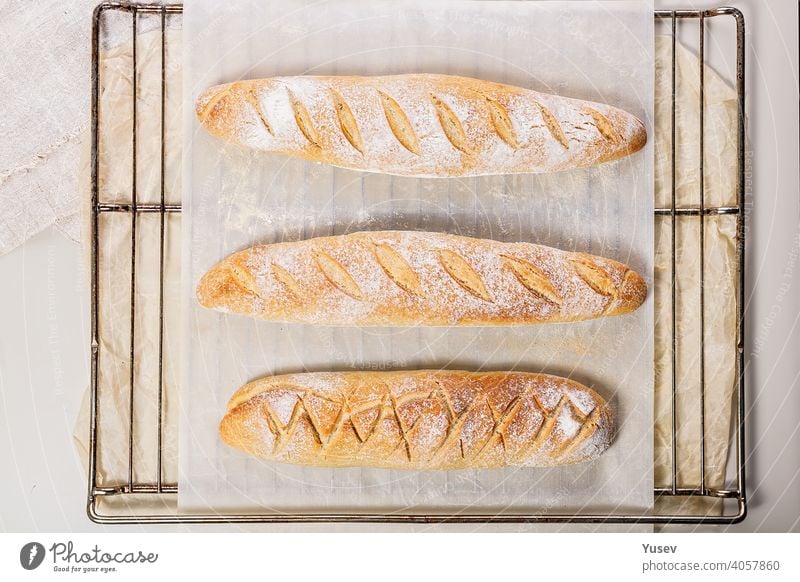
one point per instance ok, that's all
(419, 125)
(419, 420)
(402, 278)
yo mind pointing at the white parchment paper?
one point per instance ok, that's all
(234, 198)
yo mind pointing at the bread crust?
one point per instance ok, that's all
(419, 420)
(419, 124)
(405, 278)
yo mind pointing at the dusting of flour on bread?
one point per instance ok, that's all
(419, 420)
(343, 280)
(419, 124)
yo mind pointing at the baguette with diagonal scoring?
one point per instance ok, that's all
(419, 420)
(400, 278)
(419, 125)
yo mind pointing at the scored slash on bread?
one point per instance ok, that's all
(419, 420)
(402, 278)
(419, 124)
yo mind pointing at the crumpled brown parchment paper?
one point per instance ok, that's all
(114, 275)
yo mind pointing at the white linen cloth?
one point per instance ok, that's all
(45, 80)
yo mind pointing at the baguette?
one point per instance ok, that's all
(403, 278)
(419, 420)
(419, 125)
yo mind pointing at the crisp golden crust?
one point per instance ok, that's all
(403, 278)
(419, 420)
(419, 125)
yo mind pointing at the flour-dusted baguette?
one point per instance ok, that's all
(419, 420)
(419, 125)
(402, 278)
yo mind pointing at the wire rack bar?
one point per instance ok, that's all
(158, 489)
(673, 277)
(161, 250)
(702, 256)
(168, 208)
(740, 241)
(134, 220)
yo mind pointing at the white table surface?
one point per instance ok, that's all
(44, 323)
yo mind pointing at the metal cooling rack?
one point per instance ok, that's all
(166, 493)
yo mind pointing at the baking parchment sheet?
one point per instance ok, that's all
(114, 310)
(114, 244)
(720, 278)
(233, 198)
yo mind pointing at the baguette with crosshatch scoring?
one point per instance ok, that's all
(405, 278)
(419, 420)
(419, 124)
